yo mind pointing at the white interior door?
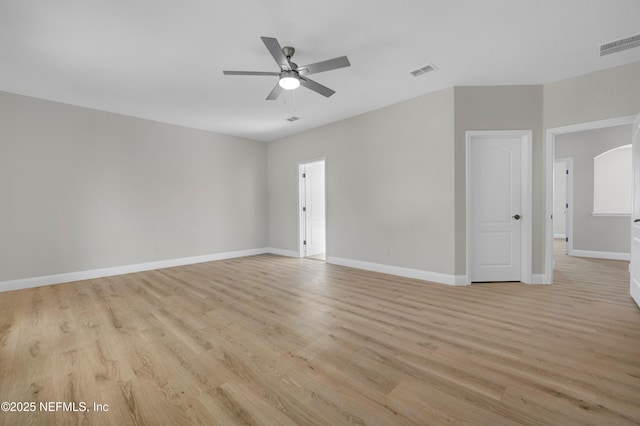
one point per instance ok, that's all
(560, 173)
(635, 224)
(313, 209)
(495, 208)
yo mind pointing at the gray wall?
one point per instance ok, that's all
(474, 108)
(609, 234)
(83, 189)
(499, 108)
(611, 93)
(390, 183)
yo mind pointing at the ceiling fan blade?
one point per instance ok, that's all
(249, 73)
(275, 92)
(322, 66)
(276, 51)
(316, 87)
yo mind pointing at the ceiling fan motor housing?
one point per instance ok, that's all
(288, 51)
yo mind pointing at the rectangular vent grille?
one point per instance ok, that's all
(423, 70)
(293, 118)
(619, 45)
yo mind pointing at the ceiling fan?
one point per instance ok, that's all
(291, 76)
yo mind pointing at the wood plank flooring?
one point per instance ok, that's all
(271, 340)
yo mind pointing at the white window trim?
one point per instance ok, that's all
(605, 213)
(610, 214)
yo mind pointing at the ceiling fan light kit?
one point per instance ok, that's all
(289, 80)
(291, 76)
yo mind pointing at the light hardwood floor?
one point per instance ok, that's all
(276, 341)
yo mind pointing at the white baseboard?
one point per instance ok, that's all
(539, 279)
(437, 277)
(461, 280)
(559, 235)
(419, 274)
(282, 252)
(600, 254)
(119, 270)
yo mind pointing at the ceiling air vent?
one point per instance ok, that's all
(293, 118)
(619, 45)
(423, 70)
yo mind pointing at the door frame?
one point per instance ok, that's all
(526, 193)
(550, 151)
(634, 262)
(301, 199)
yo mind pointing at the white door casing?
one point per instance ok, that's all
(499, 206)
(635, 216)
(313, 222)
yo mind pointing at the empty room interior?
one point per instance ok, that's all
(328, 213)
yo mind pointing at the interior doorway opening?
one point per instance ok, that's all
(550, 246)
(312, 208)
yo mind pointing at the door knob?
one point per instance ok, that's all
(516, 217)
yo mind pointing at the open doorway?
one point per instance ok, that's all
(585, 207)
(311, 183)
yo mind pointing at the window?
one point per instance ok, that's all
(612, 180)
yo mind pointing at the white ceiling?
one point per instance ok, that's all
(163, 59)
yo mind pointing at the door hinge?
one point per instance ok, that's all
(567, 171)
(566, 240)
(567, 205)
(304, 243)
(304, 175)
(304, 209)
